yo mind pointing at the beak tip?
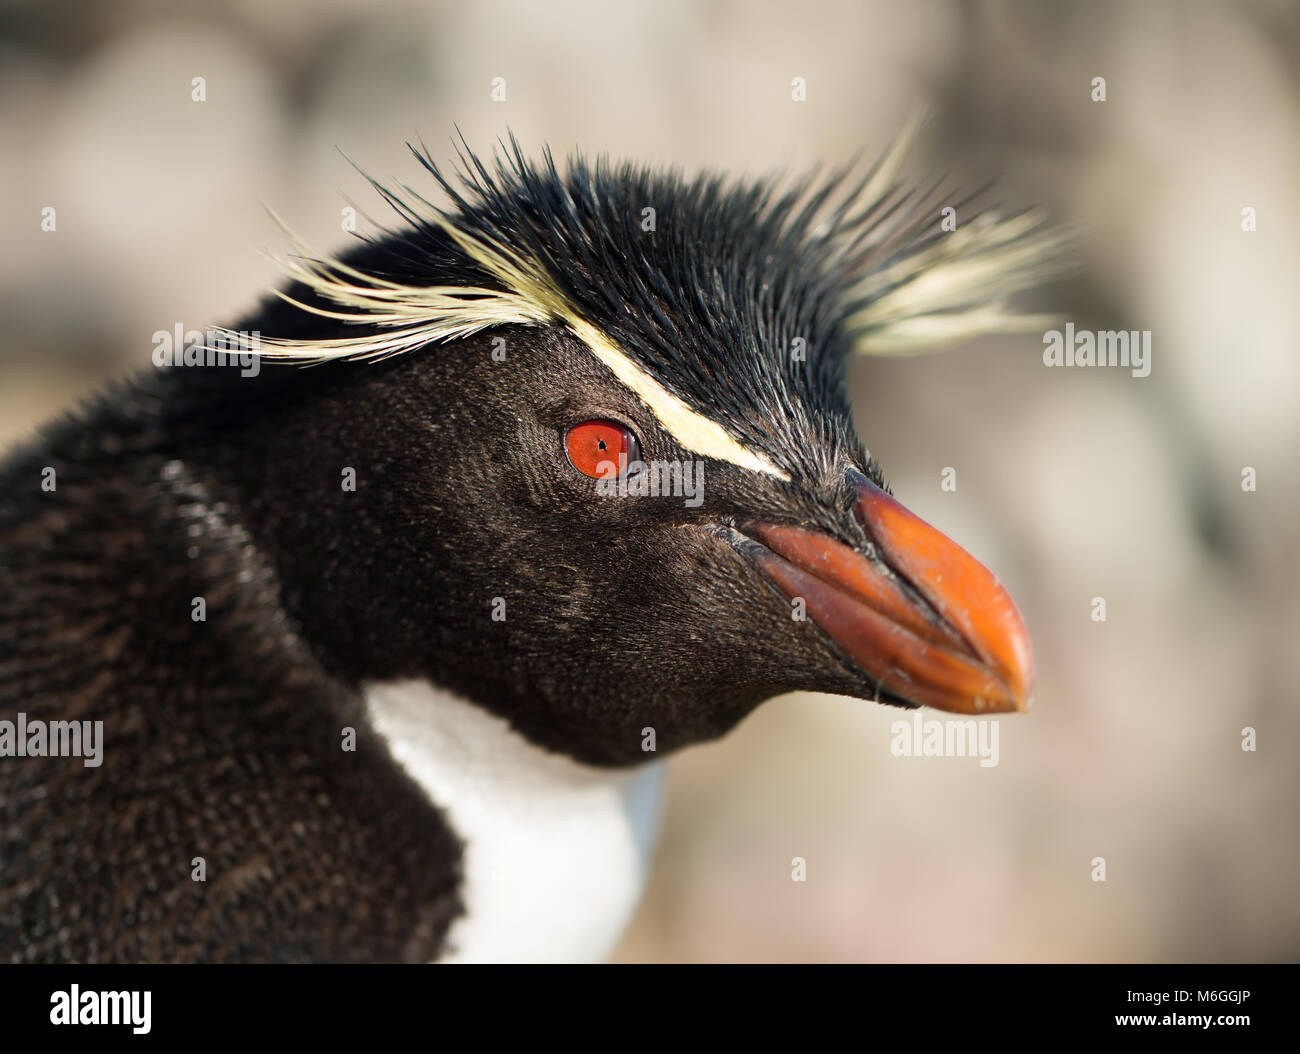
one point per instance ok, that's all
(1006, 700)
(963, 647)
(1017, 684)
(1015, 680)
(965, 593)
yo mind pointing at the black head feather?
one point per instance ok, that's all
(742, 298)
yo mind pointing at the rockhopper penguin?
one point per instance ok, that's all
(385, 648)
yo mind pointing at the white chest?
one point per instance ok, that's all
(556, 853)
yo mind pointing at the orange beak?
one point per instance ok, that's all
(924, 619)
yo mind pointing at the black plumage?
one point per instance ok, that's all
(222, 736)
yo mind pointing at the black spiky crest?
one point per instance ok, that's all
(741, 298)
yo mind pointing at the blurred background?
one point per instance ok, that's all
(1071, 484)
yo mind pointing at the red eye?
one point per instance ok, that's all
(602, 449)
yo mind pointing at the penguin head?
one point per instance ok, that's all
(608, 483)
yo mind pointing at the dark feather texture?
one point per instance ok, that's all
(741, 302)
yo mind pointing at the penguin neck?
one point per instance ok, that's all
(556, 853)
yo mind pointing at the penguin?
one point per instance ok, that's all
(386, 638)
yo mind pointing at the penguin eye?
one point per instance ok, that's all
(602, 449)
